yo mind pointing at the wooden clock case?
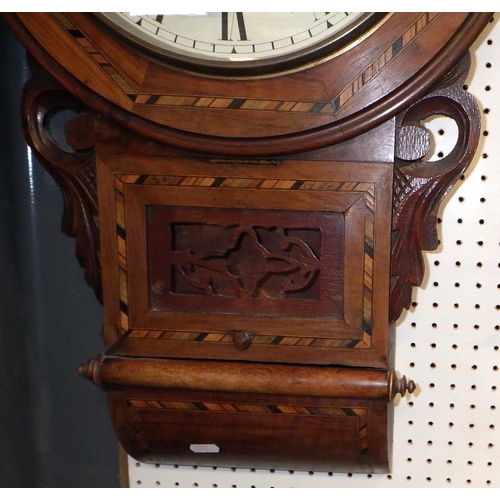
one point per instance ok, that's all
(251, 238)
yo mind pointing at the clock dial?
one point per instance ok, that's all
(241, 41)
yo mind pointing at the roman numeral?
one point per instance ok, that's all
(226, 30)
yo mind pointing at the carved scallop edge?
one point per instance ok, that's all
(74, 171)
(421, 186)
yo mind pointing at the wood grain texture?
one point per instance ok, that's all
(278, 432)
(420, 186)
(431, 54)
(311, 329)
(71, 162)
(257, 236)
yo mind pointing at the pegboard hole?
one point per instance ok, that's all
(443, 135)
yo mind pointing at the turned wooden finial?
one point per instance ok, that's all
(399, 385)
(91, 370)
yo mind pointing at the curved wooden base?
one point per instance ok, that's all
(211, 413)
(229, 429)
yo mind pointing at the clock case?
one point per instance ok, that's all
(252, 239)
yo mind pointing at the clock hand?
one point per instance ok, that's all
(241, 26)
(225, 26)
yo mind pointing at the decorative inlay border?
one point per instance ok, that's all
(290, 106)
(383, 60)
(361, 414)
(366, 188)
(95, 55)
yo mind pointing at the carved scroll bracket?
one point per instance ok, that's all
(420, 186)
(60, 132)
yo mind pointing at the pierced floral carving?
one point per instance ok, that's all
(244, 268)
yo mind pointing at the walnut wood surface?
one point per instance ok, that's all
(72, 166)
(347, 326)
(420, 186)
(399, 62)
(273, 431)
(251, 255)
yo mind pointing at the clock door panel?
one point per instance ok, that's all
(251, 263)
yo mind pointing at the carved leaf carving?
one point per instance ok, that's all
(420, 186)
(71, 162)
(248, 262)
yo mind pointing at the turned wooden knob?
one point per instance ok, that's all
(91, 370)
(399, 385)
(242, 340)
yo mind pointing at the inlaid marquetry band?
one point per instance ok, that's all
(122, 253)
(228, 338)
(366, 188)
(290, 106)
(94, 53)
(383, 60)
(361, 414)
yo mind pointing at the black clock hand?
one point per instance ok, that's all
(225, 26)
(241, 26)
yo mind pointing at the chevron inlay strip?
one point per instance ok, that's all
(122, 253)
(94, 53)
(383, 60)
(367, 189)
(317, 107)
(361, 414)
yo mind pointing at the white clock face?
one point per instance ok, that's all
(237, 39)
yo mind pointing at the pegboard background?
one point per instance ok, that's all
(447, 433)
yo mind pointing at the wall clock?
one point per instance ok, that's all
(242, 43)
(252, 236)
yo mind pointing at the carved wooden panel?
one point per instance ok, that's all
(293, 262)
(272, 262)
(247, 298)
